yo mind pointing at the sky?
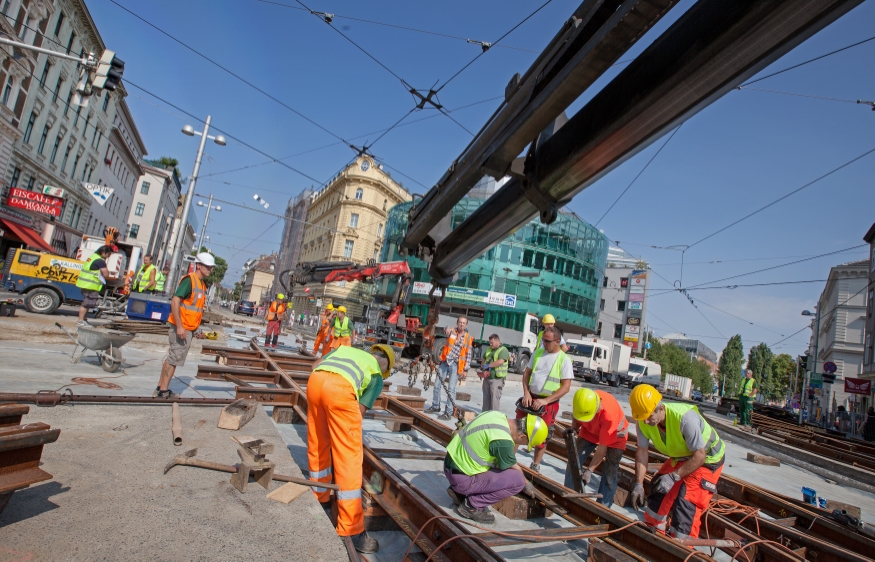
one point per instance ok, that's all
(744, 151)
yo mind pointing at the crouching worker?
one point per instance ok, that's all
(683, 487)
(481, 464)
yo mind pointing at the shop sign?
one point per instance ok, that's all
(101, 193)
(634, 306)
(501, 299)
(421, 288)
(630, 337)
(53, 191)
(635, 313)
(35, 201)
(632, 321)
(639, 274)
(632, 344)
(624, 282)
(632, 330)
(474, 296)
(635, 290)
(636, 297)
(16, 217)
(858, 386)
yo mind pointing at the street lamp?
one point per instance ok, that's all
(816, 342)
(209, 207)
(178, 243)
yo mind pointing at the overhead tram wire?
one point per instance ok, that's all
(746, 285)
(797, 95)
(254, 240)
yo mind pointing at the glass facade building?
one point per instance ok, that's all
(554, 269)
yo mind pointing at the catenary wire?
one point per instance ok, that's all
(273, 224)
(667, 291)
(797, 95)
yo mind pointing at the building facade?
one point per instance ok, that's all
(346, 221)
(293, 234)
(154, 208)
(869, 338)
(258, 279)
(695, 348)
(623, 305)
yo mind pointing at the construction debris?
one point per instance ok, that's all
(176, 426)
(287, 492)
(237, 414)
(21, 447)
(763, 459)
(138, 326)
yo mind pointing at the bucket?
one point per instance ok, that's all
(809, 495)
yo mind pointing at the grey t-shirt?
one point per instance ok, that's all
(692, 426)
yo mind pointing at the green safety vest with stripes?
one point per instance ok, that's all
(554, 379)
(491, 355)
(160, 278)
(674, 444)
(353, 364)
(341, 329)
(88, 279)
(469, 448)
(142, 279)
(747, 386)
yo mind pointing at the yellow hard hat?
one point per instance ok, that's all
(644, 399)
(536, 430)
(211, 335)
(329, 307)
(586, 404)
(548, 319)
(281, 296)
(385, 349)
(341, 309)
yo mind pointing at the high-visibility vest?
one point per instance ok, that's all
(747, 386)
(142, 279)
(88, 279)
(492, 355)
(674, 444)
(160, 279)
(469, 448)
(467, 341)
(355, 365)
(191, 310)
(276, 309)
(342, 329)
(554, 378)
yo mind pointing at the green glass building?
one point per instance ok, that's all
(556, 269)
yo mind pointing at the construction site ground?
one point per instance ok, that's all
(119, 473)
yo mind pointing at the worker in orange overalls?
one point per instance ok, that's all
(275, 314)
(343, 387)
(342, 328)
(323, 336)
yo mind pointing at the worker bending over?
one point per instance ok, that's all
(481, 464)
(343, 332)
(544, 383)
(323, 336)
(275, 314)
(601, 426)
(548, 321)
(682, 488)
(92, 278)
(344, 385)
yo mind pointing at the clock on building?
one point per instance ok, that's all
(365, 165)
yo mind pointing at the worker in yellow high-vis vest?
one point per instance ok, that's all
(91, 280)
(746, 394)
(344, 332)
(146, 278)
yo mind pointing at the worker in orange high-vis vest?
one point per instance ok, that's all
(323, 336)
(342, 329)
(343, 386)
(275, 314)
(455, 360)
(186, 311)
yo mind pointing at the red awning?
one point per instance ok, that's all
(28, 236)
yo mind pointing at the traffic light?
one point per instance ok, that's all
(109, 72)
(803, 363)
(828, 378)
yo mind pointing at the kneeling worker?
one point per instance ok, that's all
(600, 426)
(682, 488)
(343, 386)
(481, 464)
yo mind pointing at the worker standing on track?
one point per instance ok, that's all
(544, 383)
(145, 280)
(481, 463)
(548, 321)
(682, 488)
(494, 373)
(455, 358)
(323, 336)
(92, 278)
(746, 394)
(343, 386)
(275, 315)
(601, 426)
(343, 332)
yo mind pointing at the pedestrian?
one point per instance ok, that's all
(145, 279)
(683, 486)
(186, 312)
(161, 279)
(343, 387)
(746, 394)
(602, 430)
(323, 336)
(868, 425)
(481, 466)
(493, 372)
(548, 321)
(343, 332)
(92, 278)
(455, 359)
(275, 314)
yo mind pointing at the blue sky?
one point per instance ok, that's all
(742, 152)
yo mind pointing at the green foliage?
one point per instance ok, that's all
(218, 272)
(759, 360)
(676, 361)
(238, 290)
(730, 365)
(783, 369)
(166, 162)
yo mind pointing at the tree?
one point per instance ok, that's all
(218, 272)
(783, 369)
(676, 361)
(237, 291)
(759, 360)
(166, 162)
(730, 365)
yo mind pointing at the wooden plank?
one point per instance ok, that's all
(763, 459)
(287, 492)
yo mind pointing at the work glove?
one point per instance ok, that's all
(638, 498)
(664, 483)
(586, 477)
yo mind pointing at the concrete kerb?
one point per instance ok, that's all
(840, 472)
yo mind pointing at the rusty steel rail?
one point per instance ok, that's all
(10, 414)
(57, 398)
(21, 447)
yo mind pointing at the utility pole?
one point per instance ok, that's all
(646, 337)
(814, 357)
(200, 241)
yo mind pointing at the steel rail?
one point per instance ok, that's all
(56, 398)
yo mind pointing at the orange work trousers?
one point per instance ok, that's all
(334, 446)
(679, 512)
(342, 340)
(323, 340)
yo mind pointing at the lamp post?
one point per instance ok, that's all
(816, 342)
(209, 207)
(180, 236)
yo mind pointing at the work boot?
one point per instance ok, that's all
(535, 466)
(455, 496)
(445, 417)
(432, 410)
(165, 394)
(482, 516)
(365, 543)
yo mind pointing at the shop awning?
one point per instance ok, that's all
(27, 235)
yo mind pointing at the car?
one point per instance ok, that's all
(245, 307)
(697, 396)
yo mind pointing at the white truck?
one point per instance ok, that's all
(643, 369)
(677, 387)
(520, 344)
(600, 360)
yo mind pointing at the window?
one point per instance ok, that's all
(869, 304)
(43, 137)
(380, 231)
(29, 128)
(347, 248)
(353, 220)
(135, 229)
(58, 140)
(98, 134)
(85, 128)
(30, 183)
(91, 171)
(59, 24)
(75, 165)
(16, 173)
(57, 88)
(605, 281)
(7, 90)
(67, 103)
(105, 101)
(618, 330)
(598, 330)
(870, 347)
(70, 42)
(621, 306)
(602, 305)
(385, 202)
(139, 210)
(359, 194)
(144, 189)
(66, 155)
(44, 76)
(6, 5)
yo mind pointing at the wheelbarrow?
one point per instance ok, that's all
(105, 343)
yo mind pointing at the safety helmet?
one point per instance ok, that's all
(548, 319)
(586, 404)
(341, 309)
(536, 430)
(644, 399)
(329, 307)
(281, 296)
(205, 258)
(385, 349)
(211, 335)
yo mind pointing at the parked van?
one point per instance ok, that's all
(639, 368)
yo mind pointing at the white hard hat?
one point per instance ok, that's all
(205, 258)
